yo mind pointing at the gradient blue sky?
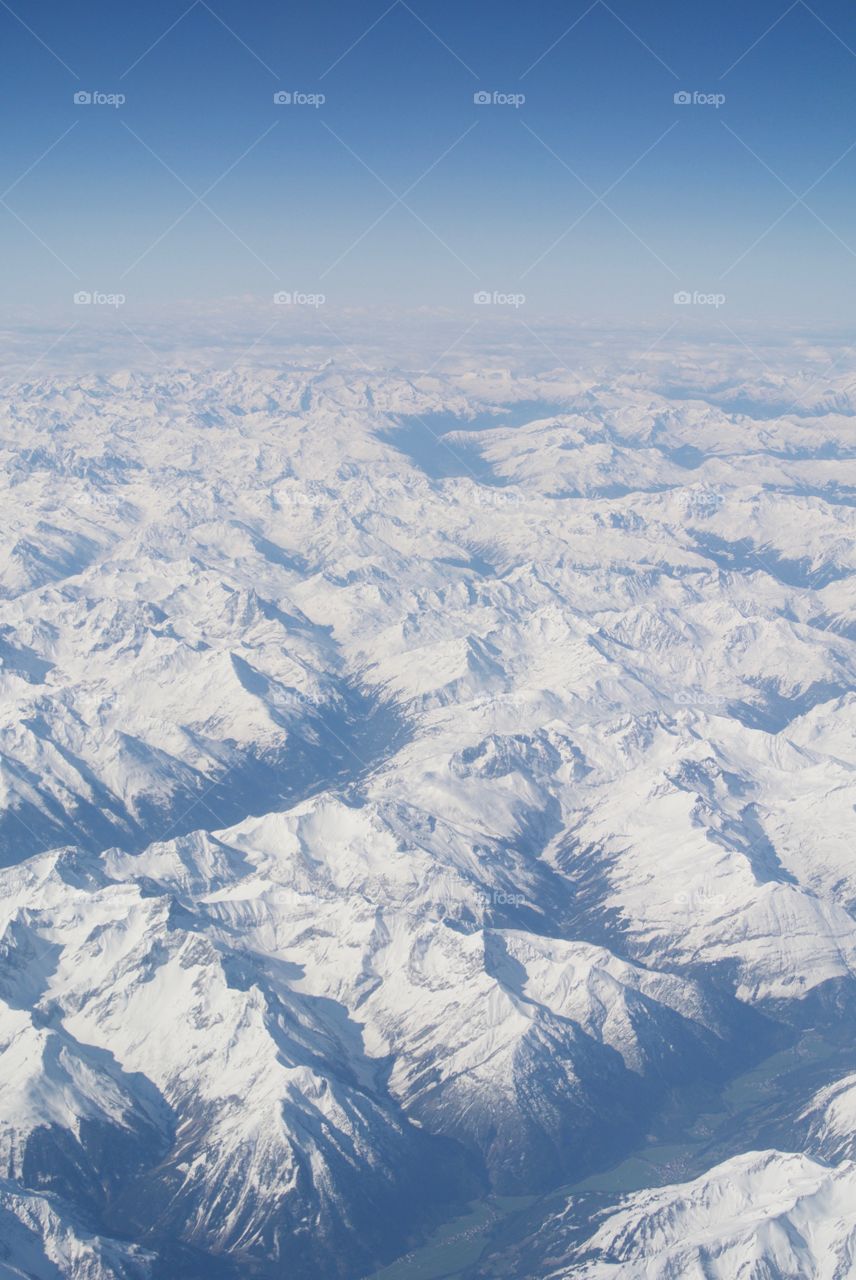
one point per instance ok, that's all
(596, 102)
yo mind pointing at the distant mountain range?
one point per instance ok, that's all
(419, 792)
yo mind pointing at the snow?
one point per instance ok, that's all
(359, 811)
(767, 1213)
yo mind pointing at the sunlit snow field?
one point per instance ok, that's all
(427, 805)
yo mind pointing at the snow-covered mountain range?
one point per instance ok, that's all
(766, 1214)
(414, 791)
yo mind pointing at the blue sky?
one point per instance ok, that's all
(505, 197)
